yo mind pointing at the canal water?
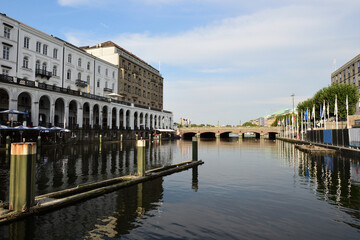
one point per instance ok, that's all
(247, 189)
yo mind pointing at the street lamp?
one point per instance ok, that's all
(293, 95)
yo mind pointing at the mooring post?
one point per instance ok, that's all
(121, 137)
(150, 137)
(39, 146)
(22, 176)
(8, 144)
(194, 149)
(140, 144)
(100, 138)
(136, 137)
(160, 137)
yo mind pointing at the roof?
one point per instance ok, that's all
(112, 44)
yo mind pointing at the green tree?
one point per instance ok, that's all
(249, 124)
(328, 94)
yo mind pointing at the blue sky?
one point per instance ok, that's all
(222, 60)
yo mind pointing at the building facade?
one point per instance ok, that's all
(349, 74)
(59, 84)
(138, 82)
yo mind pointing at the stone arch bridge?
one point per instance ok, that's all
(224, 132)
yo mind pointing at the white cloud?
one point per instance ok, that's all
(270, 53)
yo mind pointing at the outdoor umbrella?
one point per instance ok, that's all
(4, 127)
(13, 111)
(22, 128)
(55, 129)
(41, 129)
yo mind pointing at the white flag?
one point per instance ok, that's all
(328, 111)
(313, 112)
(323, 111)
(335, 109)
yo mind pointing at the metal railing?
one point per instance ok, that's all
(43, 73)
(80, 83)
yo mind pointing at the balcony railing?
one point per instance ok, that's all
(43, 73)
(81, 83)
(44, 86)
(108, 90)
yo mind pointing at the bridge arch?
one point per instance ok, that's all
(207, 135)
(188, 135)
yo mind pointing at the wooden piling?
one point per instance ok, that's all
(22, 176)
(8, 144)
(194, 148)
(121, 138)
(140, 144)
(136, 137)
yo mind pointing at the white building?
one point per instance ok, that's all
(60, 84)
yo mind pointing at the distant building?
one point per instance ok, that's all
(261, 121)
(138, 82)
(349, 74)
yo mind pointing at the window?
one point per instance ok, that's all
(113, 74)
(55, 52)
(38, 46)
(88, 66)
(26, 62)
(69, 58)
(5, 71)
(54, 73)
(7, 32)
(79, 62)
(44, 66)
(98, 83)
(79, 76)
(99, 69)
(359, 64)
(106, 72)
(354, 80)
(113, 85)
(68, 74)
(45, 49)
(6, 52)
(26, 42)
(88, 79)
(37, 64)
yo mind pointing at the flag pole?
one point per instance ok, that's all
(336, 113)
(347, 112)
(302, 129)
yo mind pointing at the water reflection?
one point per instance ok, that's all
(252, 189)
(333, 178)
(69, 166)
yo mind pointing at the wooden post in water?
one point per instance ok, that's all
(121, 138)
(194, 149)
(140, 144)
(39, 145)
(8, 145)
(150, 137)
(22, 176)
(100, 139)
(136, 137)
